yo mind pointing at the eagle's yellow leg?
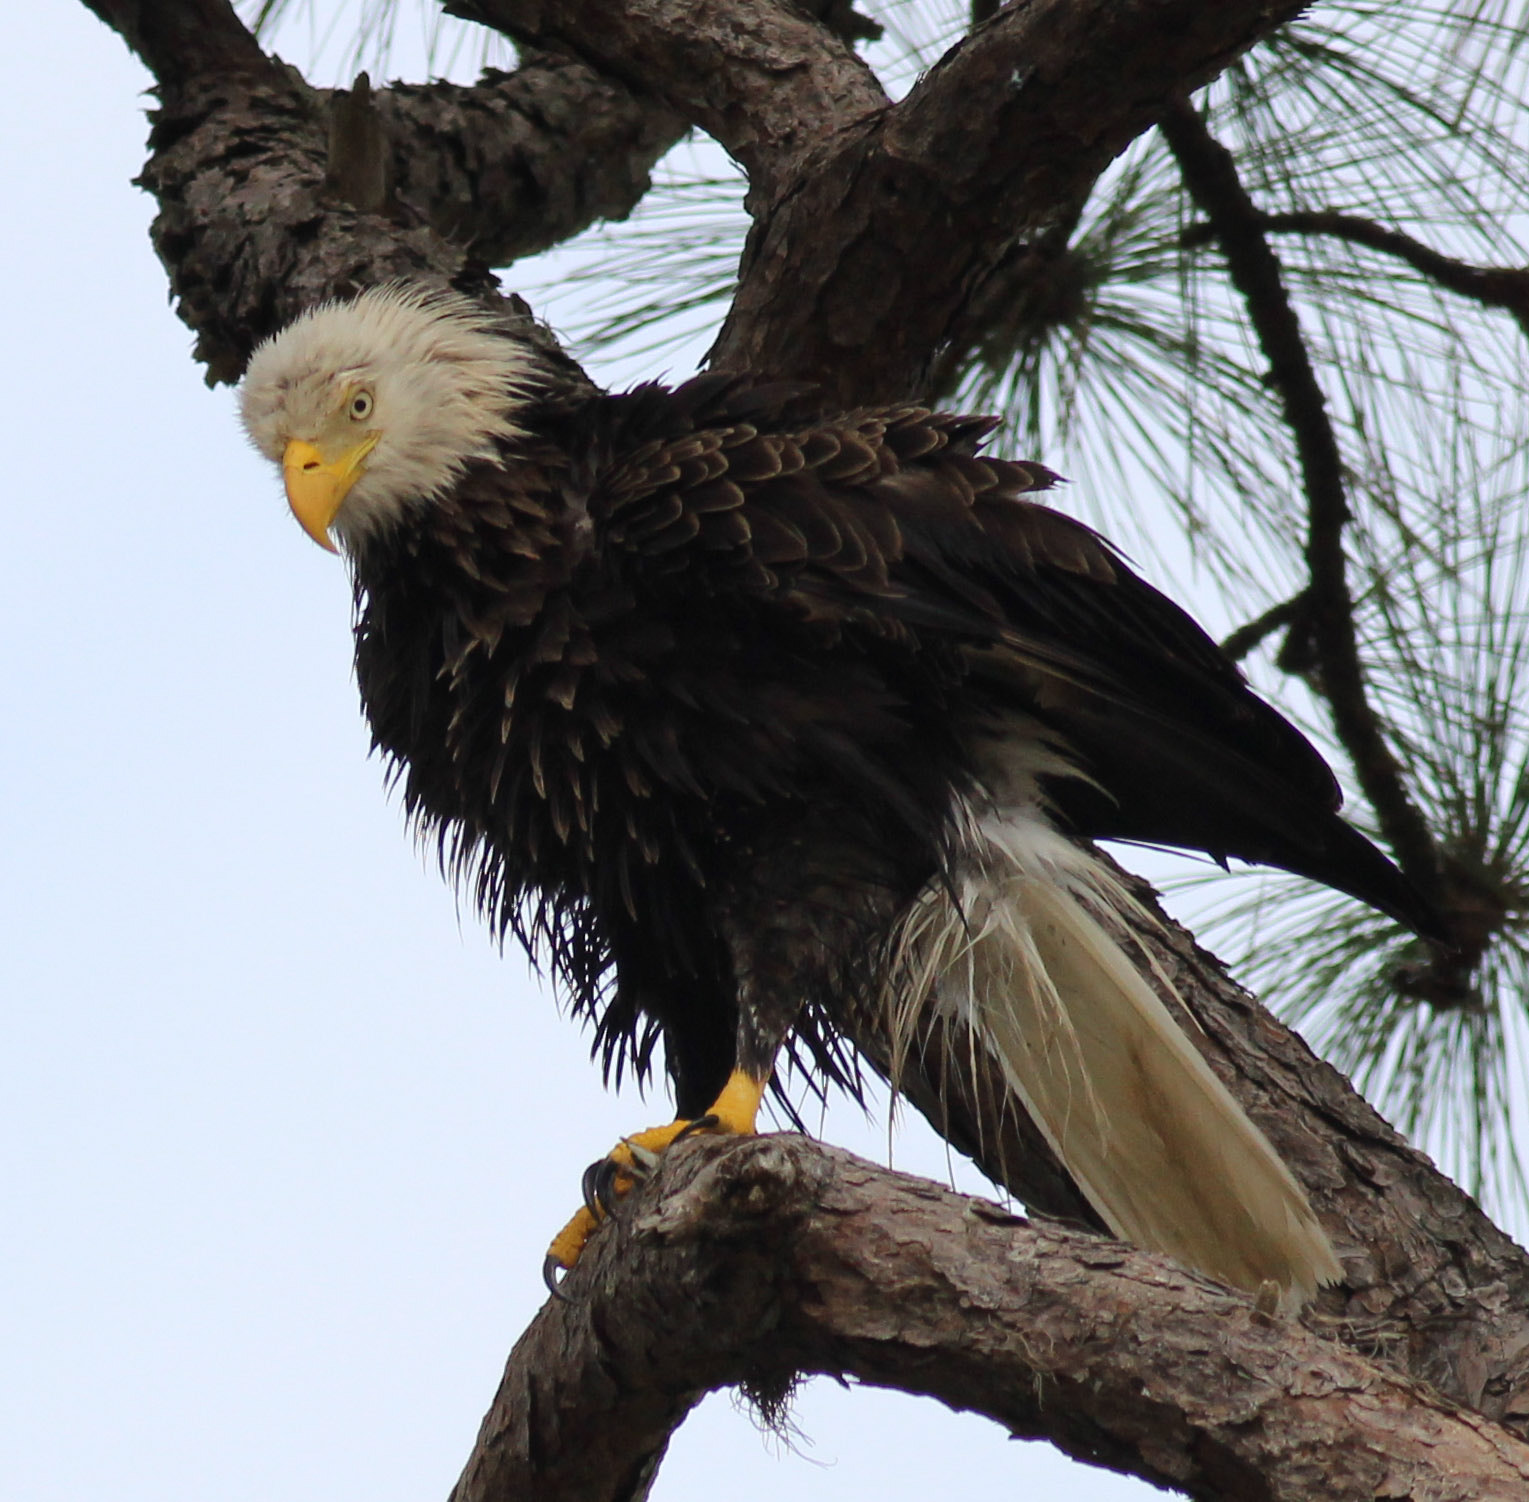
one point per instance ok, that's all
(734, 1110)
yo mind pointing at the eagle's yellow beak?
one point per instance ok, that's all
(316, 486)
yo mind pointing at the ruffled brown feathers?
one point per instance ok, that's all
(618, 665)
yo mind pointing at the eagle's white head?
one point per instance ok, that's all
(374, 407)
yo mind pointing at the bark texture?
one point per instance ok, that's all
(751, 1261)
(766, 81)
(876, 228)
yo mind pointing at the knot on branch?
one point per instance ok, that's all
(359, 158)
(731, 1188)
(1481, 905)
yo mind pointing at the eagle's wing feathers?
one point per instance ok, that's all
(890, 523)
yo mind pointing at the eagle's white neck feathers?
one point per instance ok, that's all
(445, 381)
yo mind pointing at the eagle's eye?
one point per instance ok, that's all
(361, 406)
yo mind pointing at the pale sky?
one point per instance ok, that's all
(282, 1138)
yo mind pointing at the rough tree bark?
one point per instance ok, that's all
(874, 228)
(754, 1260)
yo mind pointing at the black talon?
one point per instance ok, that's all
(606, 1192)
(599, 1186)
(700, 1124)
(551, 1267)
(590, 1185)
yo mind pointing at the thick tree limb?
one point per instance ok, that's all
(857, 274)
(254, 226)
(765, 80)
(873, 223)
(183, 39)
(246, 226)
(752, 1260)
(523, 161)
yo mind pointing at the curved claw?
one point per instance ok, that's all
(605, 1183)
(589, 1187)
(608, 1184)
(700, 1124)
(551, 1271)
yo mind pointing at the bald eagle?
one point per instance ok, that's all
(755, 717)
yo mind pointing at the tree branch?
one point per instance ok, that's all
(183, 39)
(872, 224)
(751, 1260)
(1327, 619)
(857, 273)
(246, 225)
(254, 225)
(1490, 286)
(765, 80)
(523, 161)
(1245, 638)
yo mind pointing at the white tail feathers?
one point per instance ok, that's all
(1155, 1141)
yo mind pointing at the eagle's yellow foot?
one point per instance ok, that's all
(633, 1158)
